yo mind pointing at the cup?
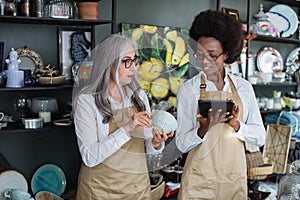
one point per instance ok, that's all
(1, 116)
(270, 103)
(16, 194)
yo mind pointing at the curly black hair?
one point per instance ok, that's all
(223, 27)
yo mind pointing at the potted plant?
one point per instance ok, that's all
(88, 9)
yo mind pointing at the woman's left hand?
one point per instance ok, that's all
(233, 121)
(160, 136)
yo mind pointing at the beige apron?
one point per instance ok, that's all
(216, 169)
(123, 175)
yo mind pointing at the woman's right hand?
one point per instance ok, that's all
(142, 119)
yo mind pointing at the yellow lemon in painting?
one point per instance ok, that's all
(136, 34)
(149, 29)
(172, 101)
(150, 70)
(172, 35)
(159, 88)
(175, 83)
(145, 85)
(178, 50)
(185, 59)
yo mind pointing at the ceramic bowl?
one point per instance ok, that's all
(164, 120)
(51, 80)
(33, 123)
(48, 104)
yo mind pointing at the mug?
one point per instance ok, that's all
(1, 116)
(16, 194)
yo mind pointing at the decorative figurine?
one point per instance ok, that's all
(15, 77)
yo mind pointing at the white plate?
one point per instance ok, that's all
(290, 15)
(279, 21)
(269, 60)
(12, 179)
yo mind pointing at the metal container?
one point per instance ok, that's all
(33, 123)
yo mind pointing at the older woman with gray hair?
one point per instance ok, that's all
(113, 126)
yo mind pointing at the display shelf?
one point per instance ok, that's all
(288, 2)
(18, 128)
(277, 39)
(51, 21)
(53, 87)
(275, 84)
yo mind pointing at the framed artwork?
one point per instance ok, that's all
(164, 59)
(75, 45)
(234, 13)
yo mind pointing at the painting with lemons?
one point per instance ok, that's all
(164, 59)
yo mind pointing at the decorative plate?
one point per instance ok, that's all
(30, 59)
(269, 60)
(293, 54)
(290, 15)
(49, 178)
(279, 21)
(12, 179)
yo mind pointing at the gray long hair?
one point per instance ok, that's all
(107, 57)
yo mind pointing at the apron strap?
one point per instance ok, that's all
(203, 84)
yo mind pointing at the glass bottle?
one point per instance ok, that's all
(289, 185)
(2, 7)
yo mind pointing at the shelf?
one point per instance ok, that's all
(51, 21)
(269, 111)
(287, 2)
(17, 128)
(58, 87)
(275, 84)
(277, 39)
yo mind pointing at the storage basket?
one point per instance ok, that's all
(158, 192)
(261, 172)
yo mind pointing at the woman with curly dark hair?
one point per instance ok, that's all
(215, 167)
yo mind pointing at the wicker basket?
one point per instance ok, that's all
(158, 192)
(260, 173)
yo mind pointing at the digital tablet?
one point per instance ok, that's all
(205, 105)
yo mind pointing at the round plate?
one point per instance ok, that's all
(290, 15)
(49, 178)
(279, 21)
(293, 54)
(269, 60)
(30, 59)
(12, 179)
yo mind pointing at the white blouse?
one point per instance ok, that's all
(93, 138)
(251, 128)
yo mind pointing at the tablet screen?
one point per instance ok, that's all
(205, 105)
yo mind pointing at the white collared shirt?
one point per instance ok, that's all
(251, 128)
(93, 138)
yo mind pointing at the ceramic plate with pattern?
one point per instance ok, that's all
(290, 15)
(49, 178)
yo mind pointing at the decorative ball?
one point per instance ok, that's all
(164, 120)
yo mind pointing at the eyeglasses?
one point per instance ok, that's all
(128, 62)
(209, 57)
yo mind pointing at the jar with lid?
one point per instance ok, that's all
(289, 185)
(262, 25)
(61, 9)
